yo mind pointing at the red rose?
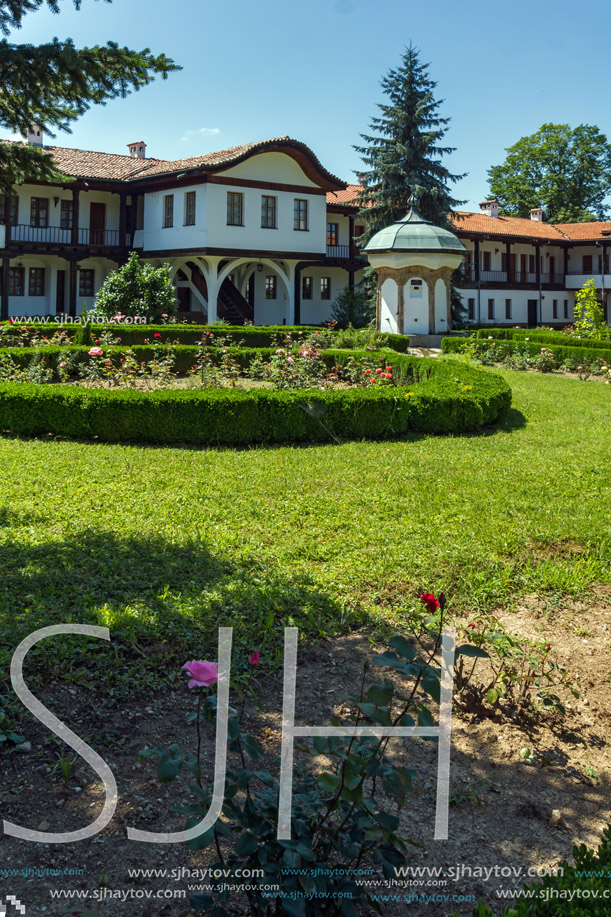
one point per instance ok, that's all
(156, 335)
(428, 599)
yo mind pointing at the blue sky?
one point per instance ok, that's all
(312, 70)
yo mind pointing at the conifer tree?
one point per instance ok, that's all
(404, 155)
(404, 152)
(53, 84)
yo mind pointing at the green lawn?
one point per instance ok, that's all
(163, 545)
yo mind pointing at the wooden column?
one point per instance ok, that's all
(351, 236)
(4, 311)
(7, 220)
(508, 260)
(351, 280)
(75, 216)
(72, 288)
(122, 218)
(566, 262)
(400, 307)
(476, 256)
(297, 295)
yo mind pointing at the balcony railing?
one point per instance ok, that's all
(338, 251)
(591, 273)
(513, 276)
(56, 235)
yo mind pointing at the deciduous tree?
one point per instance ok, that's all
(564, 170)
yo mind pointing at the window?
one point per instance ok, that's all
(39, 212)
(325, 288)
(235, 208)
(332, 233)
(168, 211)
(507, 308)
(16, 281)
(566, 308)
(86, 282)
(13, 210)
(190, 208)
(66, 215)
(301, 214)
(306, 288)
(491, 310)
(268, 211)
(587, 264)
(471, 307)
(270, 286)
(555, 308)
(36, 285)
(486, 261)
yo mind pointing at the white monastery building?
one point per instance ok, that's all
(262, 232)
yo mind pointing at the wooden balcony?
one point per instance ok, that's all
(58, 236)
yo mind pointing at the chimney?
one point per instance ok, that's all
(137, 150)
(34, 136)
(490, 208)
(536, 214)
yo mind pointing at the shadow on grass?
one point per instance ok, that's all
(161, 601)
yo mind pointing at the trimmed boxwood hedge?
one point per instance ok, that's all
(542, 337)
(451, 398)
(579, 355)
(251, 335)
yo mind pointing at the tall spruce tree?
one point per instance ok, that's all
(53, 84)
(404, 155)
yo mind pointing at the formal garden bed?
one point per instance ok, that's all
(301, 387)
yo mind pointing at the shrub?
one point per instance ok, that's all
(444, 398)
(589, 316)
(494, 351)
(137, 289)
(575, 891)
(353, 307)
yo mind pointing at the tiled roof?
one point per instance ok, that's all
(226, 158)
(584, 231)
(482, 224)
(347, 197)
(88, 164)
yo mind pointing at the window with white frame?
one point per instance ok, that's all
(490, 310)
(325, 288)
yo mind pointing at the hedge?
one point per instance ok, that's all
(452, 399)
(252, 335)
(542, 337)
(578, 355)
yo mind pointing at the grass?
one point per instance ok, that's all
(163, 545)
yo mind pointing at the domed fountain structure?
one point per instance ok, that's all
(414, 261)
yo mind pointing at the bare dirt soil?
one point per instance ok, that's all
(506, 811)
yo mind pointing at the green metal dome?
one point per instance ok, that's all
(414, 234)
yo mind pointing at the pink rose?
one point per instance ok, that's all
(203, 674)
(63, 363)
(254, 659)
(96, 352)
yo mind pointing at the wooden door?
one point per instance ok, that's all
(532, 313)
(60, 293)
(512, 268)
(552, 269)
(97, 223)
